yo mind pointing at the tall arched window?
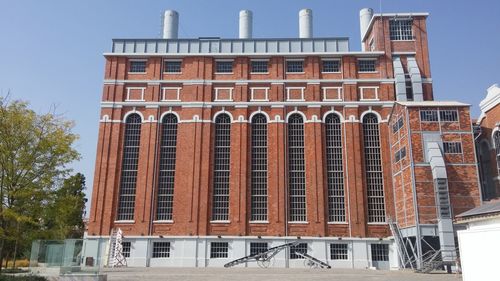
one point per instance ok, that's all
(222, 150)
(496, 138)
(258, 211)
(168, 143)
(334, 168)
(296, 169)
(128, 180)
(373, 169)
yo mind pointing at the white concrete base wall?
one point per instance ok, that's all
(195, 251)
(480, 250)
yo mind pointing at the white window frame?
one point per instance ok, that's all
(365, 59)
(223, 88)
(133, 60)
(259, 60)
(446, 121)
(295, 88)
(143, 89)
(171, 60)
(252, 90)
(340, 93)
(164, 92)
(303, 66)
(331, 59)
(362, 89)
(224, 60)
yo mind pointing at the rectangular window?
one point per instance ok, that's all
(401, 29)
(258, 200)
(137, 66)
(300, 248)
(454, 147)
(448, 115)
(296, 169)
(172, 66)
(400, 154)
(223, 67)
(126, 249)
(257, 248)
(260, 66)
(295, 66)
(397, 125)
(365, 65)
(219, 250)
(331, 66)
(338, 251)
(161, 250)
(380, 252)
(428, 115)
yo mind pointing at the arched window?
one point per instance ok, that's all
(258, 211)
(128, 180)
(334, 168)
(222, 150)
(496, 138)
(487, 185)
(166, 177)
(296, 169)
(373, 169)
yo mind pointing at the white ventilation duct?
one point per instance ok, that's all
(246, 22)
(305, 23)
(170, 24)
(365, 16)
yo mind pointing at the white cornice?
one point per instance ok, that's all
(492, 99)
(271, 81)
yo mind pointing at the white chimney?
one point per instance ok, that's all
(246, 22)
(305, 23)
(365, 16)
(170, 24)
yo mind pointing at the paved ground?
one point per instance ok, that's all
(269, 274)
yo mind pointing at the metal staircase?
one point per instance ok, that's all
(433, 260)
(404, 256)
(312, 262)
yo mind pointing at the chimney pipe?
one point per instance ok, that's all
(246, 22)
(305, 23)
(170, 24)
(365, 16)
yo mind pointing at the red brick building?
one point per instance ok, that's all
(488, 143)
(210, 149)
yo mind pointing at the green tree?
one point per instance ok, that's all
(35, 150)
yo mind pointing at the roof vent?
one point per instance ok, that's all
(170, 24)
(305, 23)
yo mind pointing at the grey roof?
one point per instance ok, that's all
(485, 209)
(217, 46)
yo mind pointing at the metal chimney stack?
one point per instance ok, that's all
(365, 16)
(305, 23)
(170, 24)
(246, 22)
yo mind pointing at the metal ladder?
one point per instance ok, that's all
(115, 255)
(312, 262)
(263, 259)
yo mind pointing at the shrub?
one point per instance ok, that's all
(22, 278)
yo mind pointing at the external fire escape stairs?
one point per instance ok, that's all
(433, 259)
(265, 258)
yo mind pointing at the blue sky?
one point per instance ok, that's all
(51, 51)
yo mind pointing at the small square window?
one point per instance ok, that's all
(257, 248)
(219, 250)
(259, 66)
(331, 66)
(380, 252)
(224, 67)
(454, 147)
(161, 249)
(448, 115)
(172, 67)
(137, 66)
(126, 249)
(295, 66)
(300, 248)
(428, 115)
(365, 65)
(338, 251)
